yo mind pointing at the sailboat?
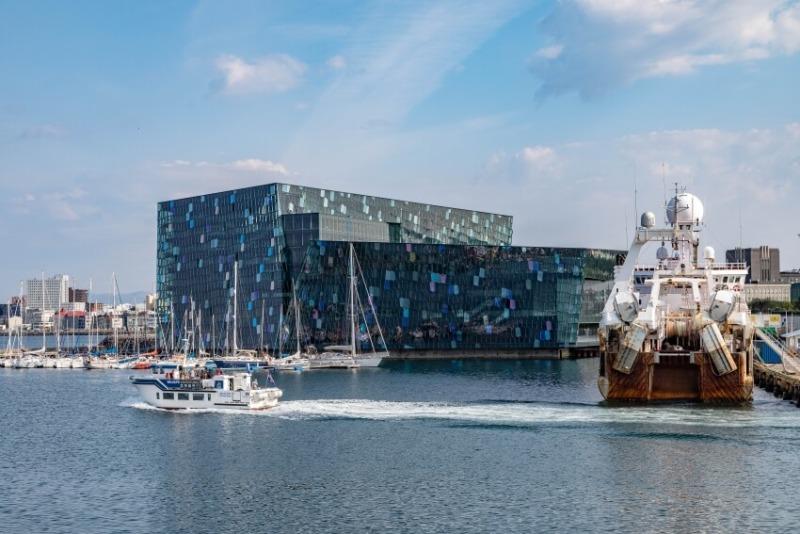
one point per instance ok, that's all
(238, 358)
(348, 356)
(297, 361)
(14, 350)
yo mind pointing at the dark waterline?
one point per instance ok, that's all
(415, 447)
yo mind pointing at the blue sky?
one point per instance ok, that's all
(548, 111)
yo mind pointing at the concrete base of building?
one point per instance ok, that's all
(484, 354)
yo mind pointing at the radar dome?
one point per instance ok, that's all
(685, 208)
(648, 219)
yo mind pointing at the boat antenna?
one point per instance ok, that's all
(664, 182)
(635, 195)
(627, 240)
(741, 244)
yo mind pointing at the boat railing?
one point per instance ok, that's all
(728, 266)
(190, 384)
(643, 268)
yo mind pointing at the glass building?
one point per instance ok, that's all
(440, 278)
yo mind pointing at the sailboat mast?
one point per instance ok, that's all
(298, 325)
(352, 304)
(171, 328)
(114, 311)
(58, 315)
(235, 305)
(261, 330)
(44, 338)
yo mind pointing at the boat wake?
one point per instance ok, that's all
(521, 414)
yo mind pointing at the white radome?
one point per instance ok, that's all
(685, 208)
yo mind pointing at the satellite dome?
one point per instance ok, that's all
(648, 219)
(685, 208)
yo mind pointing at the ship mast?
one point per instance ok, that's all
(352, 303)
(297, 322)
(235, 304)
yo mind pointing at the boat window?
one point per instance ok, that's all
(169, 396)
(725, 280)
(218, 384)
(183, 396)
(198, 396)
(209, 396)
(157, 395)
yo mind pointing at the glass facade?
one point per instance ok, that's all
(445, 297)
(265, 230)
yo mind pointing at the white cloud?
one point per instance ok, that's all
(246, 165)
(537, 155)
(755, 170)
(60, 206)
(550, 52)
(337, 62)
(259, 165)
(275, 73)
(397, 55)
(609, 42)
(42, 131)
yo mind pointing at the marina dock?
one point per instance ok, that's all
(777, 369)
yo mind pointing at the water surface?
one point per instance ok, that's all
(415, 447)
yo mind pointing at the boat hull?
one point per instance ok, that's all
(687, 377)
(153, 393)
(239, 365)
(370, 360)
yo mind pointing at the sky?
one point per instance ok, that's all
(553, 112)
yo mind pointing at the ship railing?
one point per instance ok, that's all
(652, 267)
(728, 266)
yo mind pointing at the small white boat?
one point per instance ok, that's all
(28, 361)
(348, 356)
(77, 362)
(295, 362)
(197, 389)
(125, 363)
(332, 360)
(100, 363)
(62, 363)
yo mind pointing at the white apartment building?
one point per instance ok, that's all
(47, 293)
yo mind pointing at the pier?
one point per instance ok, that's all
(777, 369)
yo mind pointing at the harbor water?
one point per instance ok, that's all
(456, 446)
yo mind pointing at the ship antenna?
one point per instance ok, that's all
(627, 241)
(741, 244)
(635, 195)
(664, 184)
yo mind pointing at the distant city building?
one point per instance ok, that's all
(9, 311)
(47, 293)
(790, 277)
(71, 320)
(763, 262)
(78, 295)
(439, 277)
(773, 292)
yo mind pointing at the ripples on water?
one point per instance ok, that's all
(426, 447)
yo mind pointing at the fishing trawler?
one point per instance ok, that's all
(197, 388)
(680, 328)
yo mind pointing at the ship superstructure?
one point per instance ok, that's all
(678, 329)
